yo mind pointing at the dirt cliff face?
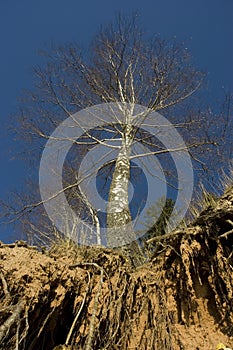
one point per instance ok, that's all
(91, 298)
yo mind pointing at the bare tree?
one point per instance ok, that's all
(124, 67)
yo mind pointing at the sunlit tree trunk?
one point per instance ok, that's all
(119, 219)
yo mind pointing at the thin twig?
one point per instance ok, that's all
(188, 232)
(44, 323)
(92, 322)
(17, 336)
(4, 285)
(79, 311)
(226, 234)
(26, 328)
(4, 329)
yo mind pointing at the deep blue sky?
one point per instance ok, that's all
(28, 25)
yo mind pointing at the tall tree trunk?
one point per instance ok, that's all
(119, 218)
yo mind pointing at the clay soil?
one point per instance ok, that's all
(92, 298)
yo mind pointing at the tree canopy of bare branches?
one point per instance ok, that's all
(125, 67)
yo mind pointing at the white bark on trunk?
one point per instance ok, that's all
(118, 213)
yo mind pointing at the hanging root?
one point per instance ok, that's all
(11, 320)
(92, 298)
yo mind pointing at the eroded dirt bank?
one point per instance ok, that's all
(92, 298)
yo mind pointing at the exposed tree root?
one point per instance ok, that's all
(93, 299)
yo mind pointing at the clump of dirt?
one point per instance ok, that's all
(91, 298)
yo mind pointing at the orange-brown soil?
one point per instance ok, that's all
(91, 298)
